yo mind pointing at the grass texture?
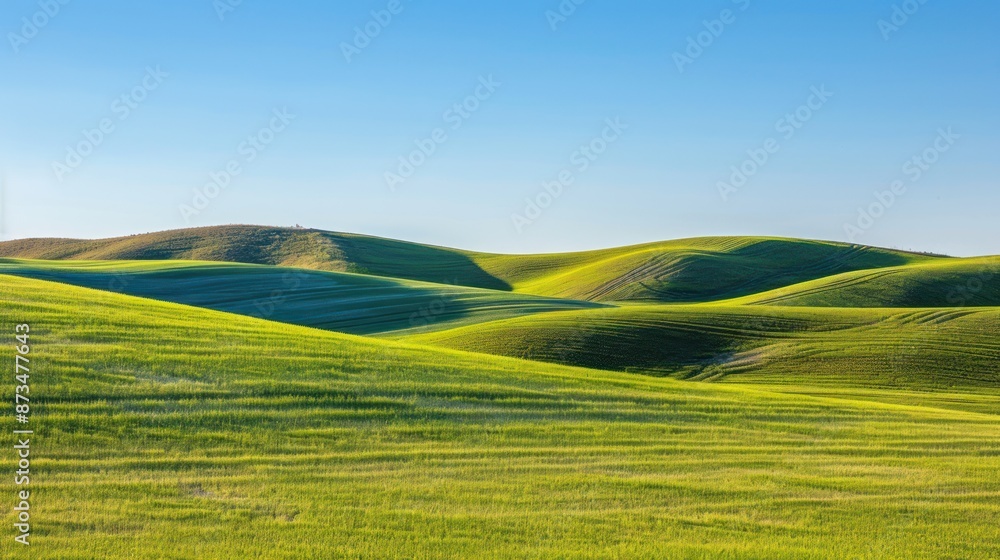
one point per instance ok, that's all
(687, 270)
(902, 348)
(169, 430)
(203, 394)
(344, 302)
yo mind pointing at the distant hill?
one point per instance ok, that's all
(944, 283)
(916, 348)
(687, 270)
(713, 308)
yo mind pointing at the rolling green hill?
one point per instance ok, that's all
(688, 270)
(293, 247)
(818, 346)
(834, 328)
(165, 429)
(946, 283)
(344, 302)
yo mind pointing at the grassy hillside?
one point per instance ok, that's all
(342, 302)
(818, 346)
(946, 283)
(166, 429)
(294, 247)
(689, 270)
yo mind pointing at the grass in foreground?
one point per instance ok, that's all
(165, 429)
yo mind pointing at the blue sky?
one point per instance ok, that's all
(261, 99)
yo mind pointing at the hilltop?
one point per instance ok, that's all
(734, 309)
(685, 271)
(338, 301)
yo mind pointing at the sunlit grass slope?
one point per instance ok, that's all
(344, 302)
(166, 430)
(294, 247)
(921, 348)
(943, 283)
(687, 270)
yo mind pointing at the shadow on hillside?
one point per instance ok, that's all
(355, 304)
(762, 266)
(298, 247)
(400, 259)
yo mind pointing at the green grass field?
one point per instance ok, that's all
(945, 283)
(687, 270)
(165, 429)
(345, 302)
(708, 398)
(901, 348)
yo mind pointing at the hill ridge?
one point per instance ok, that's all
(674, 271)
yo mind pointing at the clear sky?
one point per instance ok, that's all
(637, 115)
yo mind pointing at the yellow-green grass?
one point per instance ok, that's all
(170, 431)
(344, 302)
(909, 348)
(903, 348)
(687, 270)
(296, 247)
(941, 283)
